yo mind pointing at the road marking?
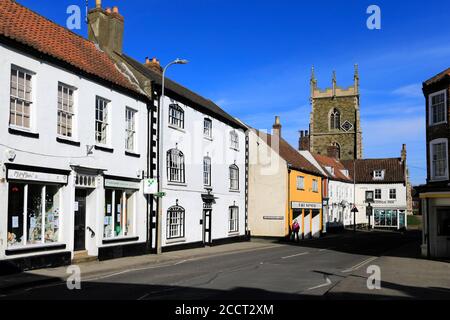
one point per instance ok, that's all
(296, 255)
(359, 265)
(326, 284)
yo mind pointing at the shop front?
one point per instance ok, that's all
(309, 216)
(34, 214)
(389, 218)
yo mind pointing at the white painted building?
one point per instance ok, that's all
(383, 183)
(203, 159)
(73, 148)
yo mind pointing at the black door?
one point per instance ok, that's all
(207, 225)
(80, 220)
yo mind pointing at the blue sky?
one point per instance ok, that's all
(253, 58)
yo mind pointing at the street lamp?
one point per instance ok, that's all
(161, 152)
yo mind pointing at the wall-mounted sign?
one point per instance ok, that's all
(121, 184)
(273, 218)
(150, 186)
(306, 205)
(37, 176)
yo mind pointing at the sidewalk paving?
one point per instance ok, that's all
(97, 269)
(404, 275)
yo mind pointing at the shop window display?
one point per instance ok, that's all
(33, 214)
(119, 213)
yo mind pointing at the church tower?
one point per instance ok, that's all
(335, 128)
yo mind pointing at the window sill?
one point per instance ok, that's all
(12, 251)
(132, 154)
(233, 234)
(68, 141)
(235, 191)
(173, 241)
(23, 133)
(208, 138)
(177, 184)
(438, 179)
(437, 123)
(120, 240)
(104, 148)
(234, 149)
(176, 128)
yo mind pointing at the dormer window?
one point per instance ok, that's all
(330, 170)
(345, 173)
(378, 175)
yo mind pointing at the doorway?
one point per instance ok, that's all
(80, 220)
(207, 225)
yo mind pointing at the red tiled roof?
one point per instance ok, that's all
(438, 77)
(325, 161)
(20, 24)
(291, 155)
(394, 170)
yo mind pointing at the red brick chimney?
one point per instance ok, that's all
(304, 141)
(153, 64)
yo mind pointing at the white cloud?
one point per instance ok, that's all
(409, 91)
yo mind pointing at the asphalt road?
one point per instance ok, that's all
(277, 271)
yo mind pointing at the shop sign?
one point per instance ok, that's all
(306, 205)
(121, 184)
(273, 218)
(37, 176)
(150, 186)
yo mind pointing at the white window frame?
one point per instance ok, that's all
(233, 219)
(176, 166)
(207, 128)
(130, 129)
(378, 174)
(315, 185)
(446, 175)
(176, 116)
(234, 140)
(392, 194)
(430, 99)
(207, 168)
(380, 194)
(176, 216)
(123, 209)
(234, 179)
(105, 121)
(22, 100)
(67, 113)
(300, 183)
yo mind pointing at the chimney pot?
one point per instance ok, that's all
(277, 126)
(98, 4)
(116, 9)
(108, 10)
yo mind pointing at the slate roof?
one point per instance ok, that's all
(294, 159)
(325, 161)
(205, 105)
(394, 170)
(21, 25)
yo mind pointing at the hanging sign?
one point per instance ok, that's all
(150, 186)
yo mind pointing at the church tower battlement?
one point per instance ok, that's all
(335, 126)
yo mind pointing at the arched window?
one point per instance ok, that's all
(175, 166)
(335, 119)
(176, 116)
(338, 149)
(175, 222)
(234, 140)
(234, 177)
(207, 171)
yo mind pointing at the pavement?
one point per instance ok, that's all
(334, 267)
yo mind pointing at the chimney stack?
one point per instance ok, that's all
(153, 64)
(404, 153)
(277, 127)
(303, 143)
(106, 28)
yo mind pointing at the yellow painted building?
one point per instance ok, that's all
(283, 185)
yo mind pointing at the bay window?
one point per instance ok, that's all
(33, 214)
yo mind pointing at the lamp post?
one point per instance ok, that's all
(161, 152)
